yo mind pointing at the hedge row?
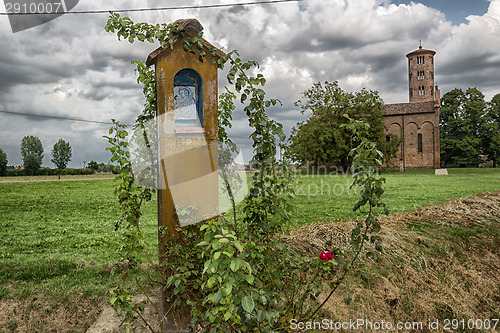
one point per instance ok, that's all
(51, 172)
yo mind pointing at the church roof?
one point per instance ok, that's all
(409, 108)
(421, 51)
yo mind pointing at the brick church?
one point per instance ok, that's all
(417, 122)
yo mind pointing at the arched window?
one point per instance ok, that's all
(421, 91)
(188, 98)
(419, 141)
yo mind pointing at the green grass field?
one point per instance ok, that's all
(57, 238)
(328, 198)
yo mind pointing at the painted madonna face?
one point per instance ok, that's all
(184, 97)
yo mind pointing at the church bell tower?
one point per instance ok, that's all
(421, 76)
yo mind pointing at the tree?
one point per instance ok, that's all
(3, 163)
(490, 134)
(32, 153)
(93, 165)
(322, 140)
(61, 154)
(461, 127)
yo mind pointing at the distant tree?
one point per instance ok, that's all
(321, 140)
(93, 165)
(462, 127)
(105, 167)
(490, 134)
(31, 165)
(61, 154)
(32, 153)
(3, 163)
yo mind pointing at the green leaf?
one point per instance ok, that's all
(249, 278)
(226, 290)
(211, 282)
(248, 304)
(238, 246)
(217, 297)
(235, 264)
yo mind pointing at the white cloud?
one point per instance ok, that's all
(71, 66)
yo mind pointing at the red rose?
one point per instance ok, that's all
(326, 255)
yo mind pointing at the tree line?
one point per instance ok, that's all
(32, 153)
(469, 127)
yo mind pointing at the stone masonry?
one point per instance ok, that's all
(417, 122)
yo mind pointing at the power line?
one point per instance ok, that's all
(56, 117)
(81, 120)
(86, 121)
(104, 11)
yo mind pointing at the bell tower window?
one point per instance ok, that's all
(421, 91)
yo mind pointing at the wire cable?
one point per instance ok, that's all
(56, 117)
(103, 11)
(81, 120)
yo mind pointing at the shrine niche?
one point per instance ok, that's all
(188, 97)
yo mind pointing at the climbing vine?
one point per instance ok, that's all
(240, 275)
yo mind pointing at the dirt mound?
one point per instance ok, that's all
(440, 263)
(481, 209)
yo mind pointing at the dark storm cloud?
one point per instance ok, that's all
(14, 72)
(71, 66)
(471, 64)
(318, 43)
(101, 89)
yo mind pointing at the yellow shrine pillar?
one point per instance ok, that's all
(187, 128)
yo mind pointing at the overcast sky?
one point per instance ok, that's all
(70, 67)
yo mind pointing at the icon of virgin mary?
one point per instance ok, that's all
(185, 106)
